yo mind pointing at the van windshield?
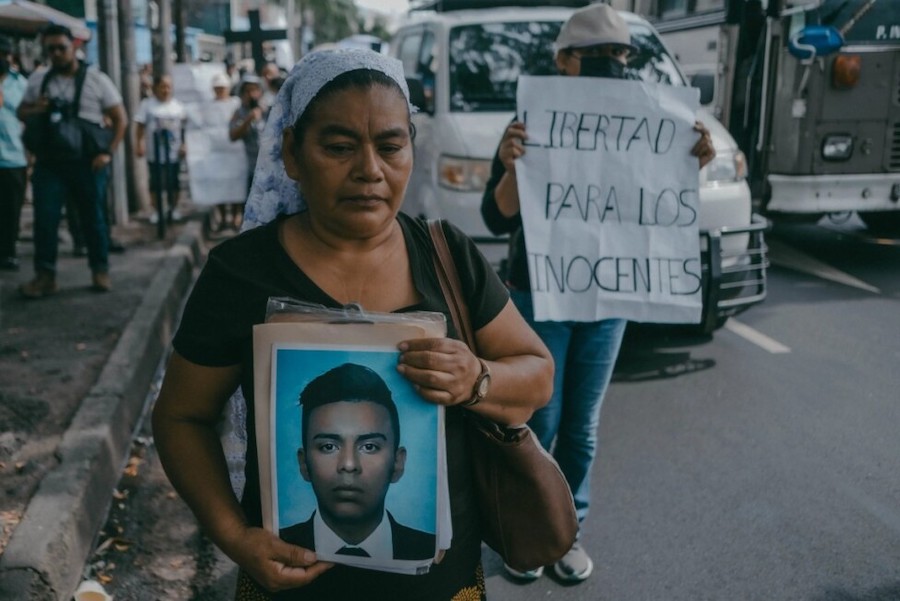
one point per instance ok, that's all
(486, 60)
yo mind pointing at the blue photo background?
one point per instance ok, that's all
(411, 500)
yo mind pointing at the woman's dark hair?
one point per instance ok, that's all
(157, 79)
(359, 78)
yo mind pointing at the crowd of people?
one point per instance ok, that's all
(61, 124)
(331, 152)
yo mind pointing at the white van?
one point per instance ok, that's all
(463, 65)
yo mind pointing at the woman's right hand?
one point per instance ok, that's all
(512, 145)
(275, 564)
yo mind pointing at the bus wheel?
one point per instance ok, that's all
(882, 222)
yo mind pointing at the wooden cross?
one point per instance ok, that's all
(256, 36)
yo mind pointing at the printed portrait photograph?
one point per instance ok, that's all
(355, 456)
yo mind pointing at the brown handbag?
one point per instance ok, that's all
(527, 511)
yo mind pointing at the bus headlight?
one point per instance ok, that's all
(837, 147)
(726, 167)
(463, 175)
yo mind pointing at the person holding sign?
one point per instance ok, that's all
(162, 113)
(595, 41)
(334, 163)
(351, 454)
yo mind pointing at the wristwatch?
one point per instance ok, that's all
(482, 385)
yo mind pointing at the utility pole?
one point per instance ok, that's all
(162, 39)
(108, 30)
(135, 175)
(178, 17)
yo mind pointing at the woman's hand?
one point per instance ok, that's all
(274, 563)
(512, 145)
(442, 370)
(703, 149)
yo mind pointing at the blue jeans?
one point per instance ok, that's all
(51, 182)
(585, 355)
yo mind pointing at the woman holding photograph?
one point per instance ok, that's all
(333, 168)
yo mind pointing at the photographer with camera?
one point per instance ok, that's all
(65, 109)
(247, 124)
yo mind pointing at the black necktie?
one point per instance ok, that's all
(354, 551)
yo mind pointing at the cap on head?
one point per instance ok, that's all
(247, 80)
(220, 80)
(594, 25)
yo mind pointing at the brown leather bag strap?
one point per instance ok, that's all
(448, 277)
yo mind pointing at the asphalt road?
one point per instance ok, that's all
(763, 463)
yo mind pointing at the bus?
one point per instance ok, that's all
(810, 89)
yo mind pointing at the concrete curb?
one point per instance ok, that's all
(47, 552)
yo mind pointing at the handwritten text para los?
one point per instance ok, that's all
(593, 203)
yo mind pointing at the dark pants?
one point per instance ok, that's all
(52, 183)
(12, 195)
(164, 181)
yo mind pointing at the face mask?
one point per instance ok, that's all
(602, 66)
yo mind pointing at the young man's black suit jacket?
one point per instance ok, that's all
(409, 543)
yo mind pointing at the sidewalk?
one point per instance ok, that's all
(75, 369)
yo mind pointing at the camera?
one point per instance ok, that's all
(254, 103)
(58, 110)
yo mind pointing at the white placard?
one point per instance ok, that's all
(217, 167)
(609, 199)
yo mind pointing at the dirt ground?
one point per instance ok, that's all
(51, 353)
(150, 547)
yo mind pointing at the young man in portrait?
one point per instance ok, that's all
(351, 454)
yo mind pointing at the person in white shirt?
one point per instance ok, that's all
(218, 115)
(164, 114)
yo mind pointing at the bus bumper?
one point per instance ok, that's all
(733, 280)
(834, 193)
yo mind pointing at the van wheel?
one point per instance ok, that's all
(882, 222)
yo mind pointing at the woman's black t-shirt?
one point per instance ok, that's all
(230, 297)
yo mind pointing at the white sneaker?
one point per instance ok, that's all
(175, 215)
(528, 575)
(154, 218)
(575, 565)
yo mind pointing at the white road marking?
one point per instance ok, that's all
(783, 255)
(758, 338)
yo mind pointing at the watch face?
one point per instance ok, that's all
(483, 385)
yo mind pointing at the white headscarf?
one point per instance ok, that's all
(273, 193)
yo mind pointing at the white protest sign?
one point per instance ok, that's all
(217, 167)
(609, 199)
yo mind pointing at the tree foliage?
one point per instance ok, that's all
(332, 19)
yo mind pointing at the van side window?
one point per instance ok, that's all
(409, 53)
(426, 69)
(415, 52)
